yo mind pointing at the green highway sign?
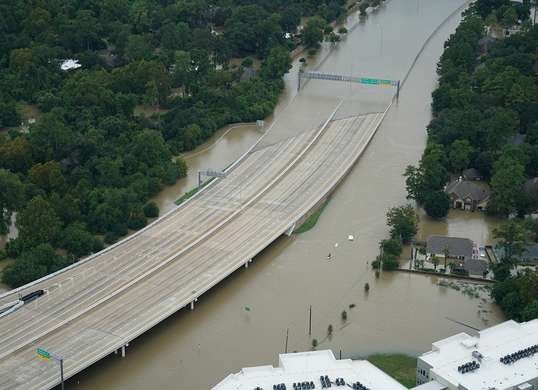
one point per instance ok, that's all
(43, 354)
(371, 81)
(46, 355)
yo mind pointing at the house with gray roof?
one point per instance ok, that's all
(461, 251)
(468, 195)
(458, 248)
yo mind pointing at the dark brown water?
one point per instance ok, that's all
(401, 312)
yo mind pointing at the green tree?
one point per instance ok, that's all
(138, 48)
(277, 63)
(33, 264)
(516, 295)
(403, 222)
(509, 17)
(512, 238)
(391, 247)
(313, 32)
(506, 182)
(530, 312)
(9, 117)
(11, 198)
(78, 241)
(437, 204)
(47, 176)
(460, 155)
(38, 223)
(151, 210)
(251, 29)
(491, 19)
(389, 262)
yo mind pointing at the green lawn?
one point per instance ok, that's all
(400, 367)
(311, 221)
(187, 195)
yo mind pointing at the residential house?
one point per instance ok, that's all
(463, 254)
(468, 195)
(458, 248)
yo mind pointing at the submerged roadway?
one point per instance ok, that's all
(98, 305)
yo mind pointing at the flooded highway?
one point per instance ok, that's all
(243, 321)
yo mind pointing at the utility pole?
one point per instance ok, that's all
(287, 333)
(62, 372)
(310, 322)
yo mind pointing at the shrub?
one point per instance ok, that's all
(151, 210)
(391, 247)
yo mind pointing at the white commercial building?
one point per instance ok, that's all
(311, 370)
(503, 357)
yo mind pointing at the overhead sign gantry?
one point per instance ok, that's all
(349, 79)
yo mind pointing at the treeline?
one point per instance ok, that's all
(486, 99)
(485, 112)
(403, 225)
(83, 173)
(516, 292)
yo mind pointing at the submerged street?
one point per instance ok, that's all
(401, 312)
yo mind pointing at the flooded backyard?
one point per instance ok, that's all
(476, 226)
(401, 312)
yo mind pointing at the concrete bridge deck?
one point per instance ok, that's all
(101, 304)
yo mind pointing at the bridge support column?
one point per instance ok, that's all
(192, 305)
(123, 351)
(289, 232)
(246, 264)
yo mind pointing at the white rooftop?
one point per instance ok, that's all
(309, 366)
(492, 343)
(70, 64)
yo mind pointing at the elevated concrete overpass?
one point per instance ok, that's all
(99, 305)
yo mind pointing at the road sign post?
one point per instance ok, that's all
(46, 355)
(210, 173)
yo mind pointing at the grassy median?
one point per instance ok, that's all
(400, 367)
(187, 195)
(311, 220)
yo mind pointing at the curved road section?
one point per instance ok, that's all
(100, 304)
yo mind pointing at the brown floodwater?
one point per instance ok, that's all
(401, 313)
(474, 225)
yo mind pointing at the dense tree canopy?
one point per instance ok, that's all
(485, 104)
(83, 173)
(485, 113)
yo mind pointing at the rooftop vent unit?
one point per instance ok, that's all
(522, 353)
(340, 382)
(478, 356)
(307, 385)
(325, 381)
(359, 386)
(468, 367)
